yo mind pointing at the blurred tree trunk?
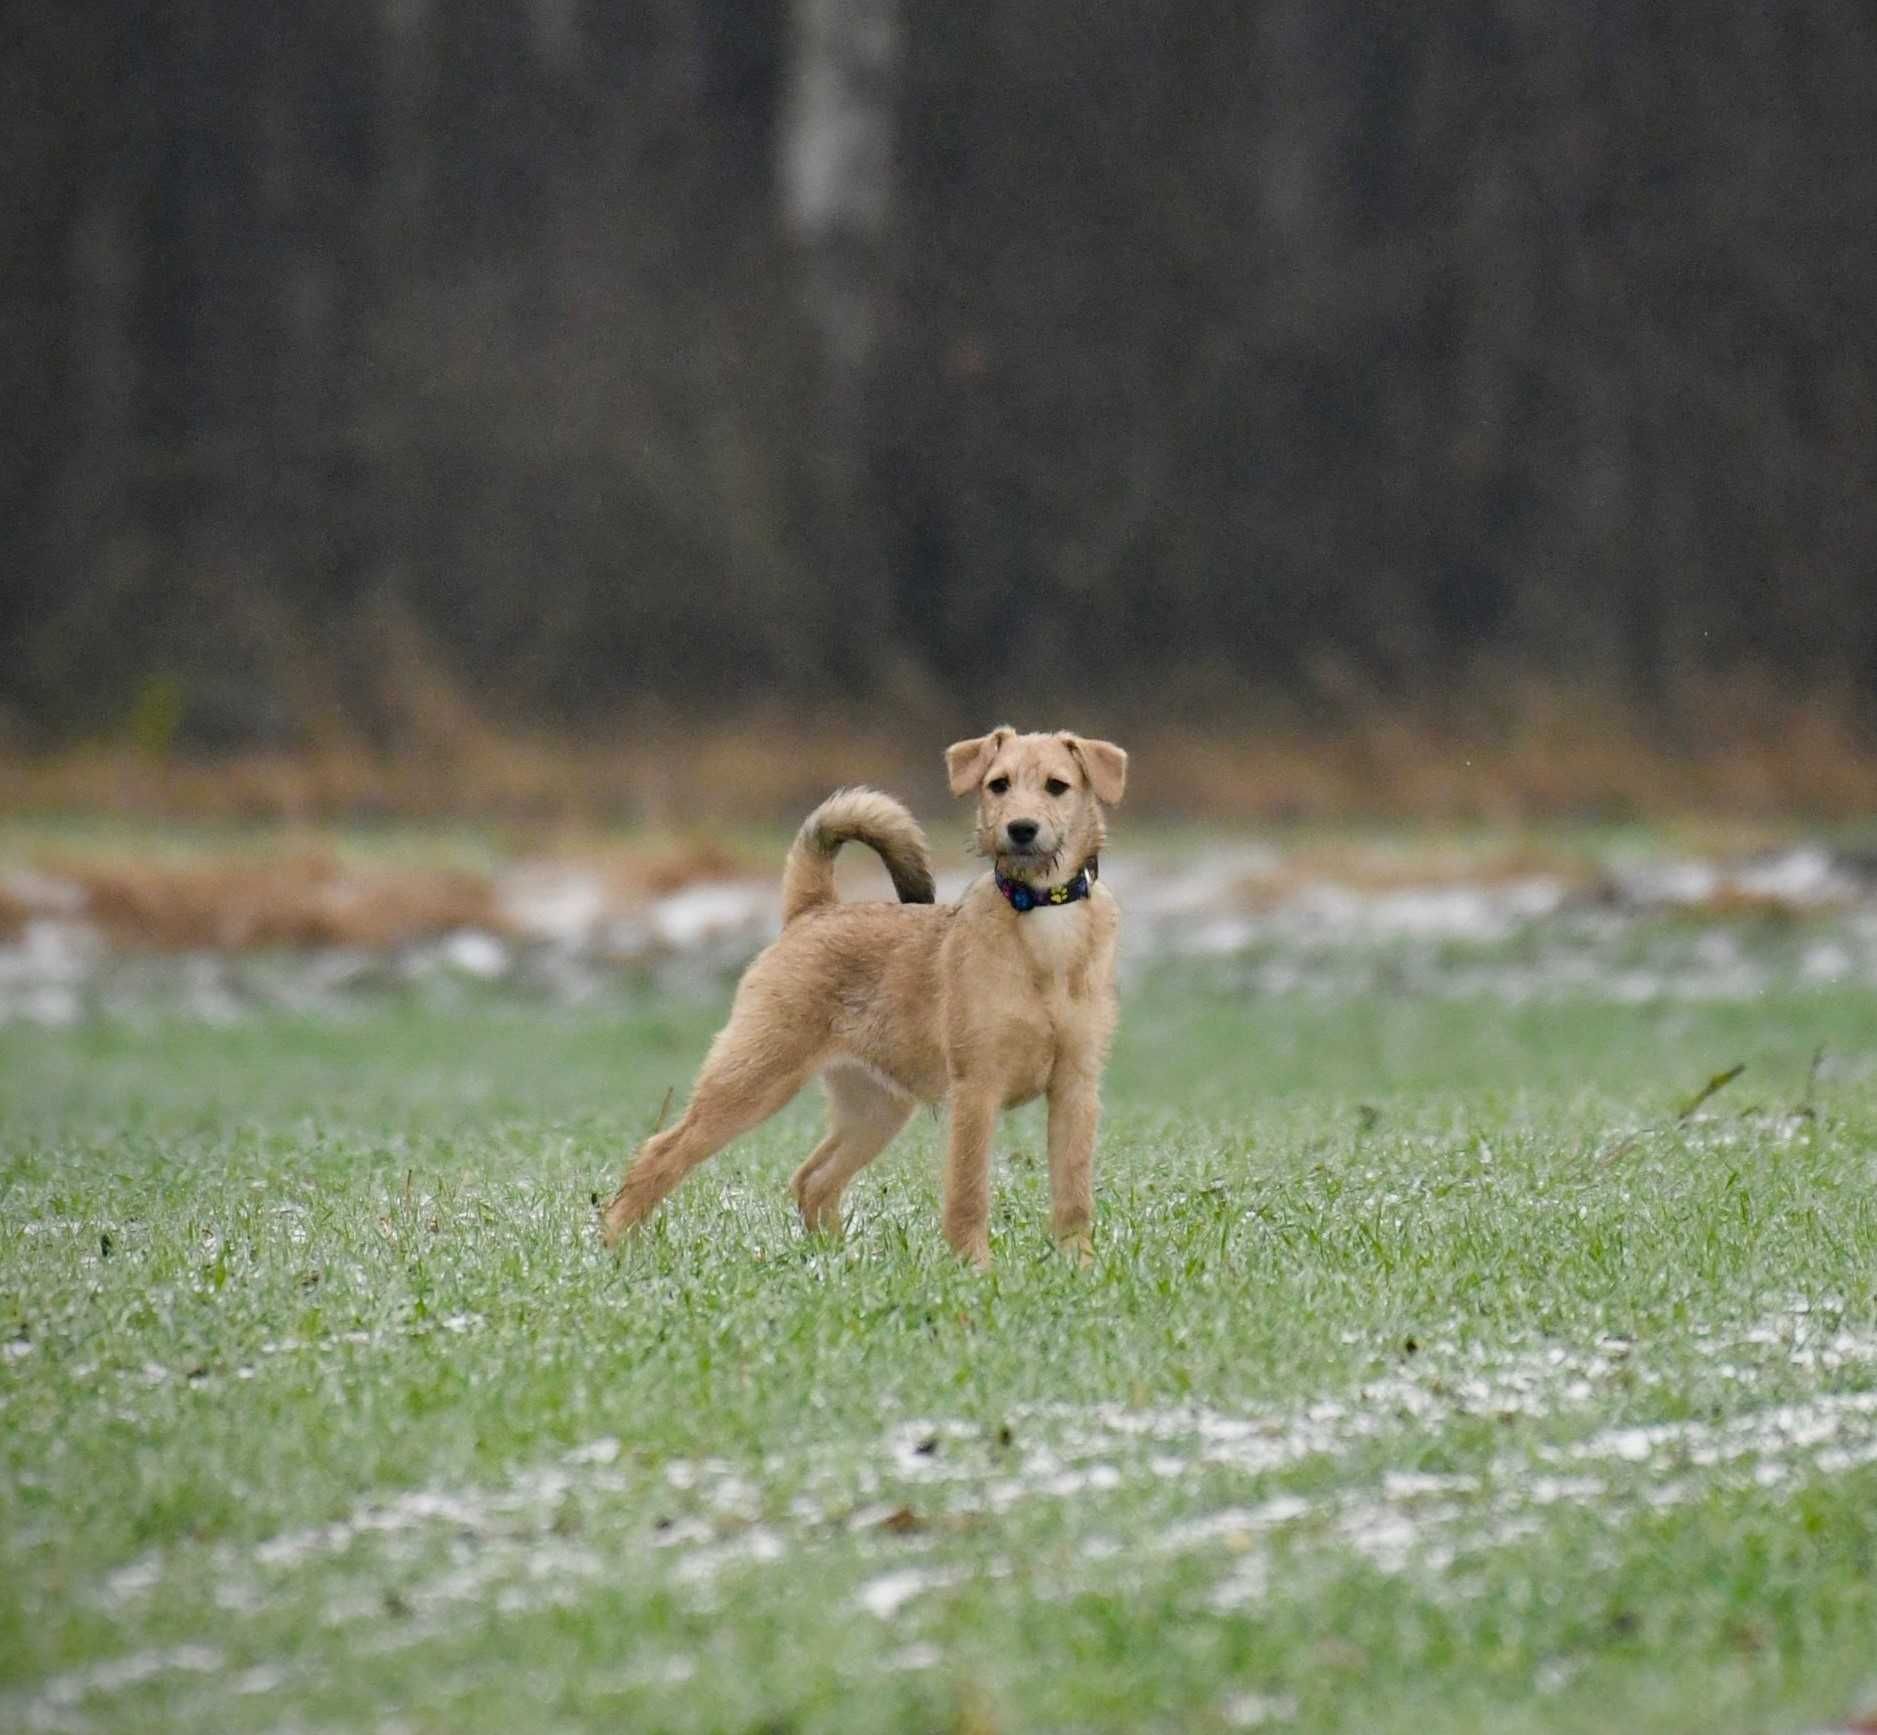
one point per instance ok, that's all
(836, 157)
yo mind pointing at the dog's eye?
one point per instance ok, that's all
(1056, 786)
(998, 785)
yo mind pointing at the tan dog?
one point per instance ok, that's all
(1005, 996)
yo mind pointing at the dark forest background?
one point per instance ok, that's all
(696, 352)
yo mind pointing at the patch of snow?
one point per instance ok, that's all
(883, 1597)
(703, 914)
(1808, 876)
(917, 1656)
(263, 1678)
(604, 1450)
(756, 1546)
(122, 1673)
(43, 894)
(1646, 883)
(547, 902)
(1258, 1710)
(474, 953)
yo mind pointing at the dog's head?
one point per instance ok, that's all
(1040, 799)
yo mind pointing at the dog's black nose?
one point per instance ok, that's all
(1022, 832)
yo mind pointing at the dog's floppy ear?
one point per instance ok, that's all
(965, 760)
(1105, 764)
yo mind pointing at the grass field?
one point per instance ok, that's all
(1431, 1375)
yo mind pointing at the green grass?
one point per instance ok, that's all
(323, 1409)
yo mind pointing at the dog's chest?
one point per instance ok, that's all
(1054, 936)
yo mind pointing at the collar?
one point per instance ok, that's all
(1022, 898)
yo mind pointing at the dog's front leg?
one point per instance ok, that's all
(968, 1173)
(1074, 1112)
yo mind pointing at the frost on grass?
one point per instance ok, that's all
(60, 1702)
(1334, 1478)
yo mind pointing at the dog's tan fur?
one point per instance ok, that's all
(899, 1004)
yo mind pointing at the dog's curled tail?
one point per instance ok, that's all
(855, 816)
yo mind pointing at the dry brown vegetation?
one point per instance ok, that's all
(1738, 751)
(304, 895)
(13, 915)
(755, 771)
(1733, 777)
(301, 899)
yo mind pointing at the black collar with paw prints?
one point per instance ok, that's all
(1022, 898)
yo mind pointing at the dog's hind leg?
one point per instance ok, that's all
(750, 1073)
(863, 1117)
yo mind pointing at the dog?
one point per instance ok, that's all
(993, 1001)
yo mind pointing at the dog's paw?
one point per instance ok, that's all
(616, 1221)
(974, 1251)
(1079, 1247)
